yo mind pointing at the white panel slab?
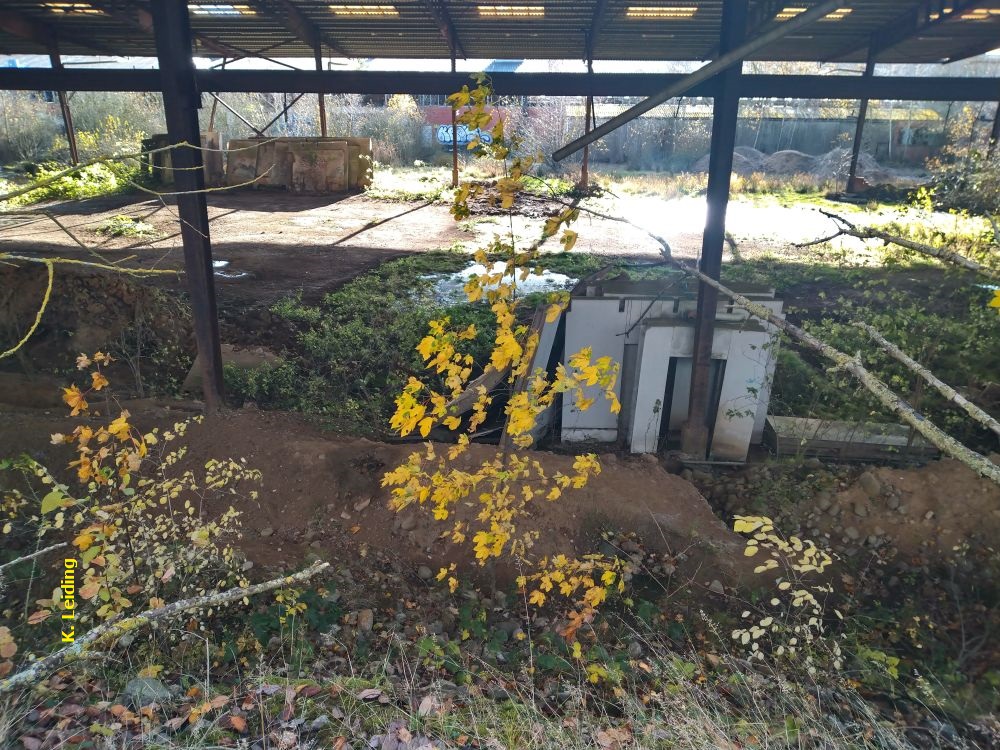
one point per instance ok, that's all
(654, 363)
(594, 322)
(746, 369)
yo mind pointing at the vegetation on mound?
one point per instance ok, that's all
(941, 318)
(335, 368)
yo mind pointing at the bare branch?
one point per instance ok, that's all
(946, 390)
(117, 628)
(33, 555)
(89, 264)
(41, 309)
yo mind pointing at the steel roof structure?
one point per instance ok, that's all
(905, 31)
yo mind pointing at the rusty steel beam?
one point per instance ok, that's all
(439, 11)
(859, 128)
(67, 115)
(900, 88)
(723, 62)
(321, 97)
(172, 32)
(138, 18)
(41, 33)
(293, 19)
(915, 20)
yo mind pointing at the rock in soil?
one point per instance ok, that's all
(870, 484)
(145, 690)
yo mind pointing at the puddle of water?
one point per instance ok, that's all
(220, 265)
(451, 287)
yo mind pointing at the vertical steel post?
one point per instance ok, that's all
(56, 61)
(454, 137)
(994, 134)
(321, 97)
(181, 101)
(859, 129)
(588, 111)
(725, 113)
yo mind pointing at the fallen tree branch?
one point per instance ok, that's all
(31, 556)
(944, 442)
(117, 628)
(947, 444)
(946, 390)
(845, 227)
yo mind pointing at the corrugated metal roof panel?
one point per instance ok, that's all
(523, 29)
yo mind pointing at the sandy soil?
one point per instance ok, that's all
(321, 494)
(283, 243)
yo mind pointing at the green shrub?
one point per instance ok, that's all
(87, 182)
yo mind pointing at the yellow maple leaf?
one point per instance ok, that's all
(120, 427)
(75, 399)
(98, 381)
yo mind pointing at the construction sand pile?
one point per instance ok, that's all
(833, 165)
(741, 164)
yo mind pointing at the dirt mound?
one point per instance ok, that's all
(836, 164)
(751, 154)
(741, 164)
(322, 495)
(788, 162)
(90, 311)
(915, 512)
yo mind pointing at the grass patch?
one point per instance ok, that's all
(126, 226)
(92, 181)
(355, 349)
(404, 184)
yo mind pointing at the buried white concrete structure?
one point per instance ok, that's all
(648, 327)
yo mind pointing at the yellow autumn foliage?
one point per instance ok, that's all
(504, 487)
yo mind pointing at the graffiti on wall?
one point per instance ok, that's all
(463, 136)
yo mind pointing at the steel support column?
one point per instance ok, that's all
(181, 102)
(67, 115)
(454, 138)
(695, 432)
(588, 115)
(859, 129)
(322, 97)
